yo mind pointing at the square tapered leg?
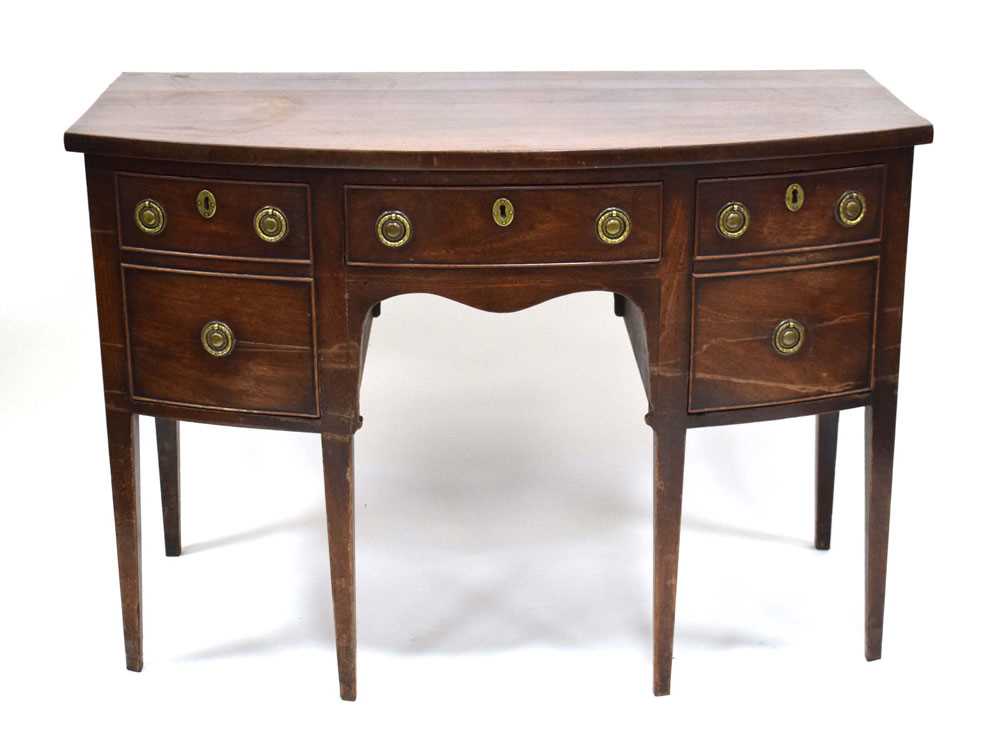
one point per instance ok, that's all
(668, 484)
(338, 473)
(123, 452)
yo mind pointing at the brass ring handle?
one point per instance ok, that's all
(733, 220)
(271, 224)
(150, 216)
(788, 337)
(851, 207)
(613, 225)
(393, 228)
(217, 339)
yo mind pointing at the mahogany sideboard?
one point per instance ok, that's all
(751, 228)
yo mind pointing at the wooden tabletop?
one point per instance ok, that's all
(492, 120)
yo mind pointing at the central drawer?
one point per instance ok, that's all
(501, 226)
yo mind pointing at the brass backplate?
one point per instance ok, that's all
(393, 228)
(733, 220)
(271, 224)
(795, 197)
(205, 203)
(150, 216)
(217, 339)
(788, 337)
(851, 208)
(613, 225)
(503, 212)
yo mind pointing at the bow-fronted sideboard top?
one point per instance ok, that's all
(493, 120)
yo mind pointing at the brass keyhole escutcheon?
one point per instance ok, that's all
(205, 203)
(851, 208)
(733, 220)
(613, 225)
(788, 337)
(271, 224)
(795, 197)
(503, 212)
(393, 228)
(217, 339)
(150, 216)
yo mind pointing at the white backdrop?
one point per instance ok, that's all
(503, 472)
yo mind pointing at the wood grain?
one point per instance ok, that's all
(492, 120)
(123, 452)
(271, 368)
(168, 455)
(826, 466)
(733, 363)
(668, 485)
(773, 227)
(880, 414)
(338, 474)
(454, 226)
(230, 233)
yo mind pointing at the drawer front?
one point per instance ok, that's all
(235, 209)
(822, 317)
(271, 367)
(773, 225)
(539, 225)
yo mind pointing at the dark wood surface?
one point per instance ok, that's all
(168, 454)
(123, 451)
(230, 232)
(733, 363)
(338, 474)
(773, 227)
(454, 226)
(880, 413)
(272, 366)
(489, 120)
(698, 310)
(827, 426)
(668, 485)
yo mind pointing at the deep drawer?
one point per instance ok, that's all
(472, 225)
(175, 318)
(784, 335)
(785, 212)
(261, 221)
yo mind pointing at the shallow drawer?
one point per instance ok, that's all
(263, 221)
(221, 341)
(797, 210)
(503, 225)
(784, 335)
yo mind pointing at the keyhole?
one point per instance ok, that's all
(204, 202)
(795, 197)
(503, 212)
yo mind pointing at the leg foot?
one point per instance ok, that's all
(123, 452)
(338, 473)
(668, 447)
(168, 453)
(826, 462)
